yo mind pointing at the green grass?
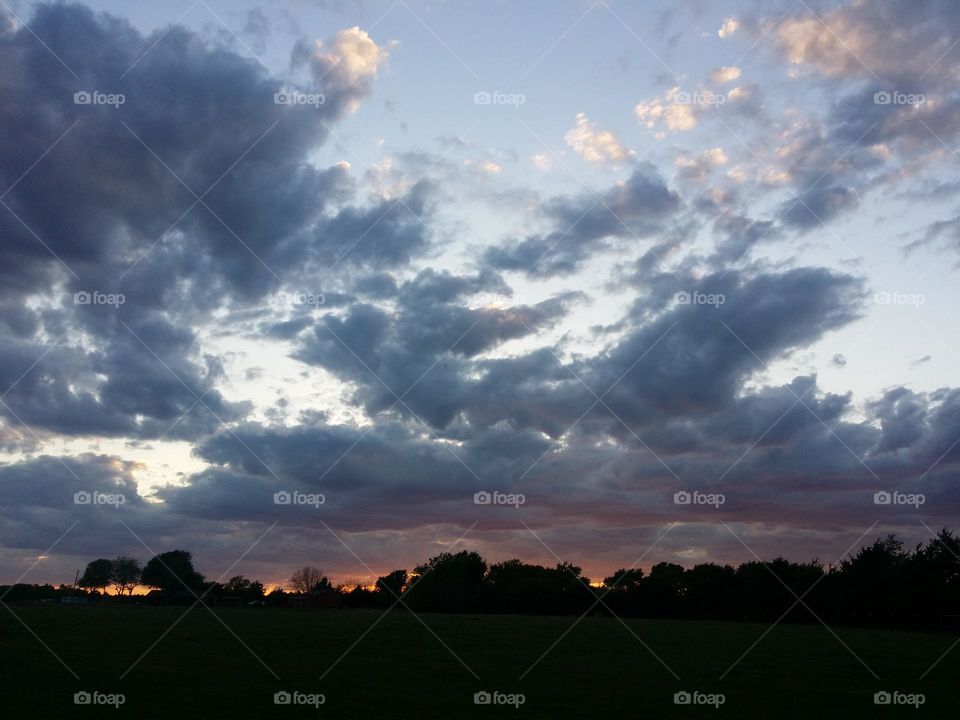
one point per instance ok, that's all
(400, 670)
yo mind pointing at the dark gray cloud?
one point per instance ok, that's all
(638, 208)
(819, 206)
(191, 194)
(424, 350)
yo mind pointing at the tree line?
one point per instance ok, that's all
(880, 584)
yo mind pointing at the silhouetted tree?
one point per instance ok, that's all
(881, 583)
(623, 579)
(125, 574)
(172, 571)
(309, 581)
(663, 589)
(97, 575)
(276, 598)
(930, 580)
(871, 580)
(448, 583)
(239, 586)
(710, 591)
(390, 586)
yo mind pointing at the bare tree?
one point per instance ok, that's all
(308, 580)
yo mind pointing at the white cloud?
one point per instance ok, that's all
(728, 28)
(595, 146)
(776, 177)
(348, 63)
(737, 174)
(487, 167)
(676, 115)
(541, 162)
(723, 75)
(715, 156)
(742, 92)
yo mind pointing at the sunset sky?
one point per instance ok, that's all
(393, 254)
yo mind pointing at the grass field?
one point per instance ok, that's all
(400, 670)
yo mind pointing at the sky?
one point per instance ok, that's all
(289, 283)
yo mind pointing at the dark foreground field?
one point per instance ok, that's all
(400, 670)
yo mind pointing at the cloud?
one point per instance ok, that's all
(582, 224)
(943, 233)
(426, 350)
(199, 121)
(347, 65)
(728, 28)
(724, 75)
(485, 167)
(424, 376)
(541, 161)
(818, 206)
(697, 169)
(896, 42)
(677, 110)
(595, 146)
